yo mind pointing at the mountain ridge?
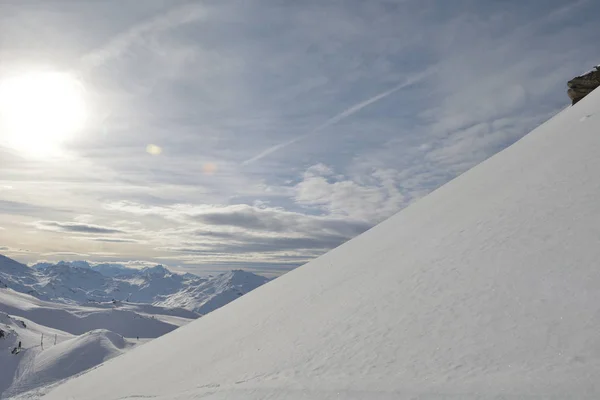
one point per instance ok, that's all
(82, 282)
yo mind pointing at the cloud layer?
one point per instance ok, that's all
(284, 128)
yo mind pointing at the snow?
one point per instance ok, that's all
(214, 292)
(70, 357)
(77, 320)
(79, 282)
(42, 362)
(487, 288)
(87, 308)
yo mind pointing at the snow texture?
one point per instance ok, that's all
(485, 289)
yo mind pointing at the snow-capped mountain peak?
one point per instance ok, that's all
(82, 282)
(157, 270)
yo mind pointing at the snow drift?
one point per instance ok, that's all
(486, 288)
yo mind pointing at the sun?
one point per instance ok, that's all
(39, 111)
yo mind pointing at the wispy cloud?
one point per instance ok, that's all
(75, 227)
(344, 114)
(65, 254)
(113, 240)
(10, 250)
(122, 42)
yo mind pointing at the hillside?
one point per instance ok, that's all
(215, 292)
(487, 288)
(126, 320)
(39, 363)
(62, 340)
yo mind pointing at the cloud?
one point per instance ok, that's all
(24, 208)
(244, 232)
(75, 227)
(344, 114)
(370, 197)
(103, 254)
(13, 250)
(113, 240)
(120, 44)
(249, 244)
(66, 254)
(247, 218)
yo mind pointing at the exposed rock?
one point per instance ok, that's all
(582, 85)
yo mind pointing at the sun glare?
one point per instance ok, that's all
(39, 111)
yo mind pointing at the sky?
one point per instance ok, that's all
(261, 134)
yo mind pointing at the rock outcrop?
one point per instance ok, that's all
(582, 85)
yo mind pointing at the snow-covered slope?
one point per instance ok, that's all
(15, 330)
(214, 292)
(127, 320)
(39, 363)
(80, 282)
(40, 368)
(486, 288)
(50, 350)
(16, 276)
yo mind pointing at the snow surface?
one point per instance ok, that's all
(77, 320)
(20, 329)
(486, 288)
(39, 367)
(42, 362)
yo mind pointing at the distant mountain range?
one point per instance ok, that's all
(80, 282)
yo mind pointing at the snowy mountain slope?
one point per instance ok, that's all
(80, 282)
(16, 276)
(487, 288)
(15, 330)
(80, 319)
(37, 366)
(68, 358)
(214, 292)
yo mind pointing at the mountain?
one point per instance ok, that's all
(16, 276)
(113, 270)
(80, 282)
(487, 288)
(80, 309)
(214, 292)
